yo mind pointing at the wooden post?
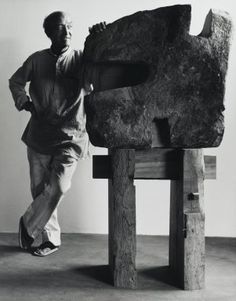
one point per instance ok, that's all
(122, 219)
(187, 241)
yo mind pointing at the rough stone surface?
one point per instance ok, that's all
(155, 84)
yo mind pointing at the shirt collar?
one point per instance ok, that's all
(65, 53)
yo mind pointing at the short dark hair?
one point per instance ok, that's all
(50, 20)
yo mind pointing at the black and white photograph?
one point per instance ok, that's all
(117, 159)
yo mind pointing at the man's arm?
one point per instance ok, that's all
(17, 85)
(89, 72)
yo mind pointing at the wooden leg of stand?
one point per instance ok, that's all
(187, 218)
(122, 219)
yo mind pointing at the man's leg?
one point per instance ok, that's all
(57, 182)
(39, 165)
(52, 230)
(39, 175)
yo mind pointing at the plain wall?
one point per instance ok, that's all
(85, 207)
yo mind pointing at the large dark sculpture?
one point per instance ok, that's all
(155, 84)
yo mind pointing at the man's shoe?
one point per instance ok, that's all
(25, 241)
(45, 249)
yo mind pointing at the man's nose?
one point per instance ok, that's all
(67, 30)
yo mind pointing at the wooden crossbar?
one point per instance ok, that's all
(152, 164)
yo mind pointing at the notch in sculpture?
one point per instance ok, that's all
(155, 85)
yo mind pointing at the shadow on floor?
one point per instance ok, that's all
(6, 251)
(84, 276)
(57, 277)
(160, 277)
(156, 278)
(99, 273)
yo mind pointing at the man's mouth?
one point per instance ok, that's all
(66, 38)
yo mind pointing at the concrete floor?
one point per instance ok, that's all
(79, 271)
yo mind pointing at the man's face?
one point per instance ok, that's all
(61, 31)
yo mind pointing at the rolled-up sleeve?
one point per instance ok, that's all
(18, 82)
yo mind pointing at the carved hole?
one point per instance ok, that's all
(108, 76)
(160, 132)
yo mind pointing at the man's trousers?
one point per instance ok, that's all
(50, 178)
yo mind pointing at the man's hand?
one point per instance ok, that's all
(99, 27)
(29, 107)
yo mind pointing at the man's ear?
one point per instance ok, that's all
(48, 33)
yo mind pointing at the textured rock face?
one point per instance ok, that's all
(155, 84)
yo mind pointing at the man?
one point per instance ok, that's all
(55, 136)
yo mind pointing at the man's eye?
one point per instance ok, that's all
(62, 27)
(59, 27)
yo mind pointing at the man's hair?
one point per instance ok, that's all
(50, 20)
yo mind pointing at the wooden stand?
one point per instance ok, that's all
(186, 169)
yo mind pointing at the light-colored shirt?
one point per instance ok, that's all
(57, 90)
